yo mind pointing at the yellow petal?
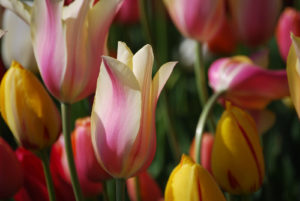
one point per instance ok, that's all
(293, 72)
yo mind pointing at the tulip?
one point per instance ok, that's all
(197, 19)
(190, 181)
(28, 110)
(17, 44)
(293, 72)
(80, 147)
(123, 115)
(246, 84)
(289, 21)
(254, 20)
(34, 187)
(206, 149)
(149, 189)
(129, 12)
(75, 38)
(85, 155)
(237, 158)
(11, 174)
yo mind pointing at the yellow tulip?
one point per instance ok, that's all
(293, 72)
(237, 158)
(191, 182)
(28, 110)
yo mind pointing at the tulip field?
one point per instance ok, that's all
(150, 100)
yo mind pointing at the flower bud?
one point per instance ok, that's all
(237, 158)
(149, 189)
(28, 110)
(289, 22)
(293, 72)
(246, 84)
(128, 12)
(197, 19)
(58, 154)
(11, 174)
(254, 20)
(206, 149)
(190, 181)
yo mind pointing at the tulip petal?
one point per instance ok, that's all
(190, 181)
(99, 19)
(260, 85)
(74, 72)
(124, 54)
(48, 42)
(293, 72)
(160, 79)
(142, 67)
(117, 111)
(19, 8)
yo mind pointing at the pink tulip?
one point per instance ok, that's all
(11, 174)
(289, 22)
(68, 43)
(123, 115)
(149, 189)
(255, 20)
(129, 12)
(206, 149)
(85, 157)
(246, 84)
(197, 19)
(293, 72)
(89, 188)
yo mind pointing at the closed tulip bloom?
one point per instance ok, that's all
(129, 12)
(289, 22)
(68, 43)
(246, 84)
(293, 72)
(28, 110)
(11, 174)
(255, 20)
(149, 189)
(58, 156)
(237, 158)
(206, 149)
(197, 19)
(189, 181)
(123, 115)
(84, 153)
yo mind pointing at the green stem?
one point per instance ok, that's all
(66, 121)
(202, 120)
(137, 188)
(245, 198)
(200, 74)
(144, 20)
(201, 82)
(230, 197)
(105, 193)
(120, 189)
(44, 156)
